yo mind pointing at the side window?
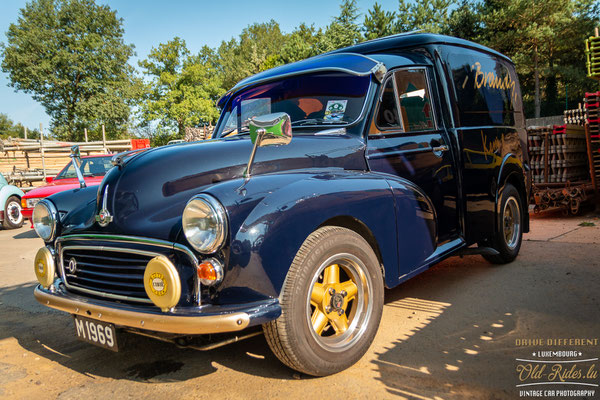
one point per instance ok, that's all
(405, 102)
(387, 116)
(415, 99)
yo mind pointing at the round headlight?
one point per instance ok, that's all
(205, 223)
(44, 220)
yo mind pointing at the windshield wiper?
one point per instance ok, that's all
(309, 121)
(242, 131)
(314, 121)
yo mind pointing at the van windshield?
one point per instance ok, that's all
(324, 99)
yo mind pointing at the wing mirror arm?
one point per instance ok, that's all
(76, 160)
(268, 130)
(259, 134)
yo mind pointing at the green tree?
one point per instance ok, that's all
(344, 30)
(70, 55)
(378, 23)
(182, 88)
(429, 15)
(9, 129)
(303, 42)
(545, 40)
(466, 21)
(255, 51)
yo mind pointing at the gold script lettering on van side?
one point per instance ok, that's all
(492, 81)
(491, 147)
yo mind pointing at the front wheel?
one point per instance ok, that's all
(331, 302)
(509, 233)
(13, 218)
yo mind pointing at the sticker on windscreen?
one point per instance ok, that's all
(334, 112)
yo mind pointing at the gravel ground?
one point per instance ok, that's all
(453, 332)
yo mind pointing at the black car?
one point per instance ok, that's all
(405, 150)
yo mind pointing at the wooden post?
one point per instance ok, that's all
(85, 132)
(25, 132)
(104, 139)
(42, 151)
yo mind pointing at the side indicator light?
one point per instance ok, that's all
(210, 272)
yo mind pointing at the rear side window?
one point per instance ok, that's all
(415, 100)
(406, 102)
(486, 89)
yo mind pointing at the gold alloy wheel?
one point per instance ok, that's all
(339, 306)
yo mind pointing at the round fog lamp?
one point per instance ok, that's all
(44, 267)
(162, 283)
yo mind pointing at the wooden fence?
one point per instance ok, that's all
(27, 162)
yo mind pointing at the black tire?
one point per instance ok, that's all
(505, 241)
(13, 217)
(330, 348)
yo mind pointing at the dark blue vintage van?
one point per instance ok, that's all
(326, 181)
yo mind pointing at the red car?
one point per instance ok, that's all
(93, 168)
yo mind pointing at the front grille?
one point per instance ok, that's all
(112, 273)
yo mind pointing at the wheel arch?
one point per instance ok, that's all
(356, 225)
(512, 171)
(278, 212)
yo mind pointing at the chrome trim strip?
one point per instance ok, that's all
(63, 273)
(133, 239)
(163, 322)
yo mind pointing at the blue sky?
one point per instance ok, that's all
(150, 22)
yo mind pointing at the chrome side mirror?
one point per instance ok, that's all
(76, 160)
(268, 130)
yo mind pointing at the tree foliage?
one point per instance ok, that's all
(429, 15)
(71, 57)
(544, 39)
(182, 90)
(9, 129)
(378, 22)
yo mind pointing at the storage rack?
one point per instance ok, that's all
(592, 106)
(558, 154)
(592, 52)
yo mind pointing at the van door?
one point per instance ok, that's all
(407, 139)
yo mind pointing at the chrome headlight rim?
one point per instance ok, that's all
(220, 216)
(53, 215)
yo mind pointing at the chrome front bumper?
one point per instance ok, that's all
(209, 319)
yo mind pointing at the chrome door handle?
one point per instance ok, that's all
(439, 149)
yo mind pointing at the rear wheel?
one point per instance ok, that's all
(13, 218)
(509, 233)
(331, 303)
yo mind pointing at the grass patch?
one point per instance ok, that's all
(587, 224)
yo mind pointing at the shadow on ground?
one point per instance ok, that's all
(460, 320)
(51, 335)
(29, 234)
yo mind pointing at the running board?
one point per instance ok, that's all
(472, 251)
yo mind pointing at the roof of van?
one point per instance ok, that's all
(413, 39)
(361, 59)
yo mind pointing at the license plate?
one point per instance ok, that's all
(100, 333)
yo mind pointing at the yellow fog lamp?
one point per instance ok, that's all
(162, 283)
(44, 267)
